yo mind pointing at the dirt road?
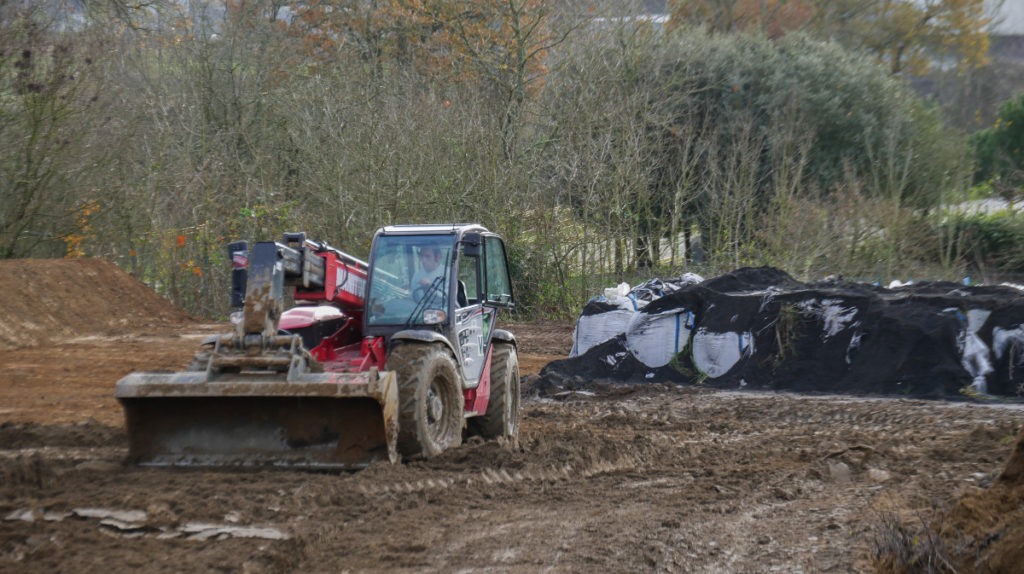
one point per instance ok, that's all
(651, 479)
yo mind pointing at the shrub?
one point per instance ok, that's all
(992, 242)
(999, 150)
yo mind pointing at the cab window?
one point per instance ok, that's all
(499, 287)
(469, 278)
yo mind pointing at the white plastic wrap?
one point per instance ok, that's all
(976, 353)
(655, 339)
(715, 354)
(592, 330)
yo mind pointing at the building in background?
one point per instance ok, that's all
(1007, 36)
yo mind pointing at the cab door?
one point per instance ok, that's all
(484, 286)
(470, 317)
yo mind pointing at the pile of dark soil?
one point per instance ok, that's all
(45, 300)
(932, 339)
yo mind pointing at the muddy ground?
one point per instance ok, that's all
(624, 479)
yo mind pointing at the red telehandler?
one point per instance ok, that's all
(398, 357)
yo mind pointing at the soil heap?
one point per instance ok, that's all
(45, 300)
(986, 527)
(758, 328)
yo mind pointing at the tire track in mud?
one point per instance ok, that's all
(500, 476)
(535, 458)
(670, 432)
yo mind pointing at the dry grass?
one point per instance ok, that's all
(901, 547)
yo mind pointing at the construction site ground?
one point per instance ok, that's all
(622, 479)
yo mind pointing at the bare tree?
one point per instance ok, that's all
(50, 103)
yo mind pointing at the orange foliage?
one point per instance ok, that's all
(456, 39)
(908, 36)
(76, 239)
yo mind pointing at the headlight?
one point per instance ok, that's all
(434, 316)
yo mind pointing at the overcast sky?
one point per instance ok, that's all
(1013, 14)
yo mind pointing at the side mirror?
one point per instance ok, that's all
(471, 244)
(238, 251)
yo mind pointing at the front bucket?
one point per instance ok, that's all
(322, 420)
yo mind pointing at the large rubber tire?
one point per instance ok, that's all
(430, 416)
(502, 416)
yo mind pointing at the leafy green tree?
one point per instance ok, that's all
(724, 129)
(999, 150)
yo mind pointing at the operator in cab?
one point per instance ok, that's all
(411, 275)
(428, 271)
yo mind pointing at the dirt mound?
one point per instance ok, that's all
(45, 300)
(758, 328)
(988, 525)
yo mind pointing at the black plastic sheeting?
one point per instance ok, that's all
(908, 341)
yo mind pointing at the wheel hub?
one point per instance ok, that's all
(434, 406)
